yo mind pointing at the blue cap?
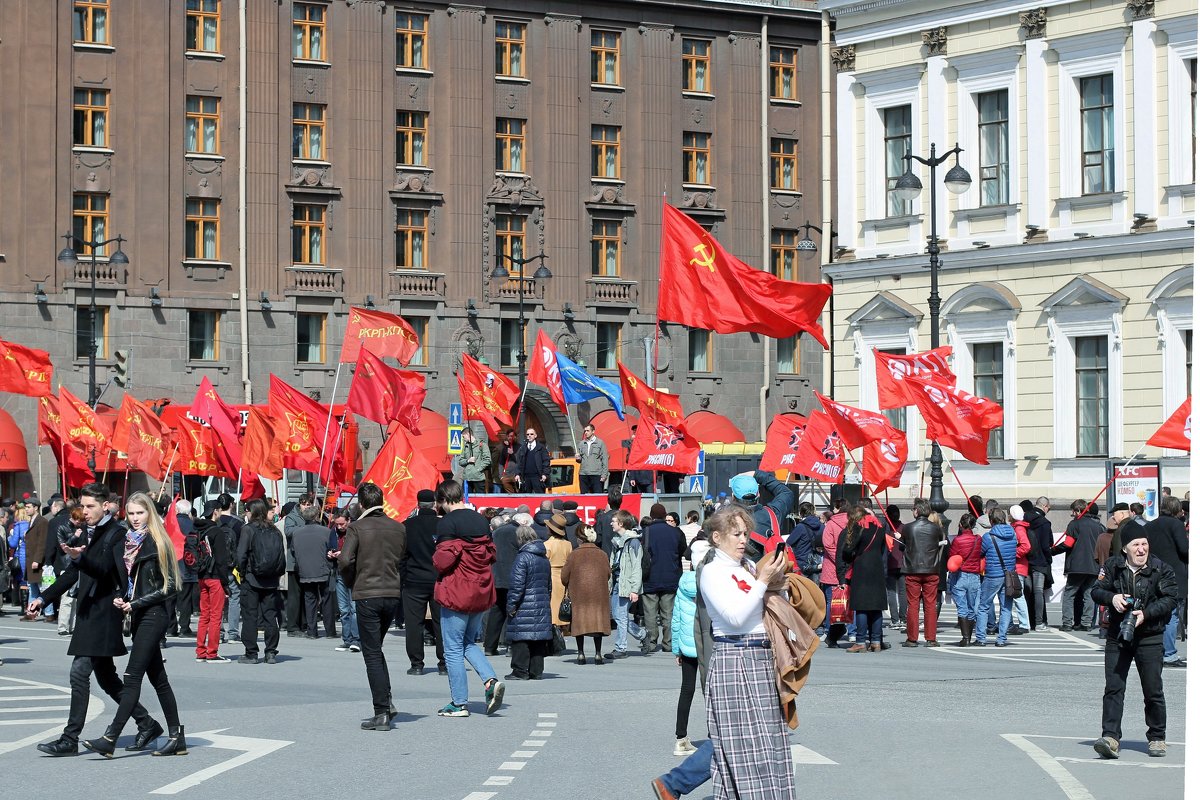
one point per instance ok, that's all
(743, 486)
(720, 494)
(708, 497)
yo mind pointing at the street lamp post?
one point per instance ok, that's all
(957, 181)
(68, 258)
(542, 273)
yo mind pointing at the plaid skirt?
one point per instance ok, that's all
(752, 756)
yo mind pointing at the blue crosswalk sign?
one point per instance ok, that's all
(456, 414)
(695, 484)
(454, 439)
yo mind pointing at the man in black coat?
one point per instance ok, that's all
(505, 539)
(1079, 543)
(418, 576)
(1041, 543)
(1168, 539)
(310, 548)
(663, 548)
(604, 531)
(533, 465)
(99, 569)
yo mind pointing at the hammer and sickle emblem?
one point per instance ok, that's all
(705, 257)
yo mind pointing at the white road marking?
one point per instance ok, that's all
(7, 684)
(24, 709)
(802, 755)
(547, 716)
(46, 721)
(10, 699)
(251, 748)
(524, 754)
(12, 647)
(499, 780)
(480, 796)
(540, 733)
(1108, 762)
(1070, 786)
(547, 724)
(533, 743)
(513, 766)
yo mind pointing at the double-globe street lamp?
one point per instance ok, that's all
(502, 273)
(908, 187)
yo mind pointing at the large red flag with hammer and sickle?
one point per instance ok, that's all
(703, 286)
(24, 370)
(401, 470)
(72, 463)
(382, 333)
(198, 450)
(382, 393)
(81, 427)
(305, 429)
(487, 395)
(225, 422)
(144, 438)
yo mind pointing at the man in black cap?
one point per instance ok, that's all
(1118, 516)
(418, 575)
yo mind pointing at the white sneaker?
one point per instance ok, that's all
(683, 747)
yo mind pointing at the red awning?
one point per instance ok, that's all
(612, 431)
(433, 439)
(13, 457)
(709, 426)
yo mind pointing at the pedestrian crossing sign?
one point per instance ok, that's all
(695, 484)
(454, 439)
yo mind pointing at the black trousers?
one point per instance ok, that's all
(105, 670)
(185, 603)
(1148, 655)
(687, 690)
(496, 622)
(532, 484)
(316, 599)
(145, 659)
(294, 604)
(529, 657)
(375, 616)
(591, 484)
(260, 607)
(415, 599)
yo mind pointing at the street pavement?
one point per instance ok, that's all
(905, 724)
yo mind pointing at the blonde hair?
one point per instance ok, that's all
(168, 563)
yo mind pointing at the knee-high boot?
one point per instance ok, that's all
(962, 627)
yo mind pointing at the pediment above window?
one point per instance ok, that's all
(885, 307)
(1084, 292)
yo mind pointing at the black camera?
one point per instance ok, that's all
(1130, 622)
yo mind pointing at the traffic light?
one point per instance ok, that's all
(121, 367)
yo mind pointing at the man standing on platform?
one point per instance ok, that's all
(593, 462)
(533, 465)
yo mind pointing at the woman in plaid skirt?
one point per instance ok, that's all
(751, 751)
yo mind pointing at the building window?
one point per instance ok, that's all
(606, 248)
(784, 255)
(783, 164)
(84, 332)
(91, 21)
(699, 350)
(89, 219)
(411, 40)
(1096, 129)
(993, 148)
(896, 417)
(696, 150)
(606, 151)
(608, 345)
(420, 326)
(897, 143)
(510, 241)
(510, 49)
(411, 235)
(90, 124)
(510, 342)
(203, 330)
(783, 73)
(308, 234)
(1091, 395)
(989, 382)
(787, 355)
(308, 131)
(510, 145)
(203, 232)
(606, 57)
(695, 65)
(203, 124)
(310, 338)
(308, 32)
(203, 25)
(410, 137)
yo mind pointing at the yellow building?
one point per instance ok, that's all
(1066, 265)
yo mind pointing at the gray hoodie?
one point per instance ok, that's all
(627, 559)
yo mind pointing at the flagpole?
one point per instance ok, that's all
(167, 474)
(41, 480)
(328, 419)
(62, 463)
(1114, 477)
(238, 490)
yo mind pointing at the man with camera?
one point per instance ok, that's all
(1140, 589)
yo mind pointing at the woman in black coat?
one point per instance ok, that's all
(529, 607)
(862, 558)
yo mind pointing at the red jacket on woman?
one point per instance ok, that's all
(968, 544)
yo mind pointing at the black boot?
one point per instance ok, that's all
(106, 745)
(962, 627)
(176, 745)
(146, 736)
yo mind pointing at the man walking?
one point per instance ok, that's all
(231, 524)
(345, 601)
(593, 462)
(533, 465)
(207, 551)
(665, 547)
(370, 565)
(416, 569)
(923, 540)
(1168, 540)
(261, 563)
(310, 547)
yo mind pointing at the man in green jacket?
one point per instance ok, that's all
(474, 460)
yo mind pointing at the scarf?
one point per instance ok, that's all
(133, 544)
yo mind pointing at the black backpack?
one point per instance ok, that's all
(267, 559)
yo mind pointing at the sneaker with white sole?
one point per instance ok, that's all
(452, 710)
(494, 695)
(342, 648)
(1107, 747)
(218, 660)
(1158, 749)
(355, 648)
(683, 747)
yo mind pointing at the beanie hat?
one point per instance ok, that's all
(1017, 513)
(1131, 532)
(1027, 506)
(658, 511)
(426, 496)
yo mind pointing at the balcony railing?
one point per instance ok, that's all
(408, 283)
(314, 280)
(611, 291)
(106, 274)
(509, 289)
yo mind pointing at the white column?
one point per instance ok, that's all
(1145, 122)
(849, 160)
(935, 73)
(1037, 188)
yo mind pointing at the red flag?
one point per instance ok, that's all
(303, 425)
(262, 452)
(783, 437)
(1176, 432)
(49, 425)
(819, 453)
(225, 422)
(171, 523)
(487, 396)
(143, 437)
(854, 425)
(703, 286)
(81, 427)
(198, 451)
(883, 461)
(648, 401)
(24, 370)
(543, 369)
(383, 394)
(955, 418)
(663, 445)
(401, 470)
(891, 368)
(382, 333)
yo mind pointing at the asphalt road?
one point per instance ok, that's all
(905, 723)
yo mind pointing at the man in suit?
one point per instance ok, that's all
(98, 566)
(533, 465)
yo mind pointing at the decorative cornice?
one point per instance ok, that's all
(743, 36)
(563, 19)
(934, 41)
(843, 58)
(647, 28)
(1140, 9)
(1033, 23)
(478, 11)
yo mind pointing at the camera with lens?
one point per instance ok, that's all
(1130, 622)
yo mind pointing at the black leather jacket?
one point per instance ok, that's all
(1154, 586)
(150, 586)
(922, 551)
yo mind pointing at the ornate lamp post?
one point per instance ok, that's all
(501, 273)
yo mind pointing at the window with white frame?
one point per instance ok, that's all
(1171, 300)
(1181, 54)
(1097, 134)
(988, 378)
(887, 324)
(897, 143)
(993, 147)
(1092, 94)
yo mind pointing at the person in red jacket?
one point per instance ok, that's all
(465, 590)
(966, 580)
(1020, 606)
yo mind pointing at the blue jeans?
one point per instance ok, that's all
(965, 593)
(347, 614)
(625, 624)
(869, 626)
(695, 770)
(233, 622)
(1170, 652)
(993, 586)
(459, 632)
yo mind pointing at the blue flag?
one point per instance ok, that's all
(579, 386)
